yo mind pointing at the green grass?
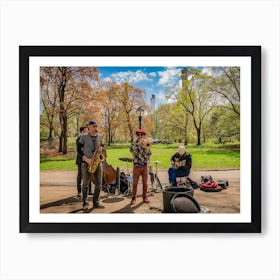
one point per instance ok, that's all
(55, 163)
(204, 156)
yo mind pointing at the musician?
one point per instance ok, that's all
(83, 130)
(87, 146)
(181, 164)
(141, 155)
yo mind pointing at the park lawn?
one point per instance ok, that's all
(204, 157)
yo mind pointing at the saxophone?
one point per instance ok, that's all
(97, 157)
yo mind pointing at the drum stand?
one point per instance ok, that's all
(155, 182)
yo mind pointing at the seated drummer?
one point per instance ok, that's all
(181, 165)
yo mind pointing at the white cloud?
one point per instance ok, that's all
(130, 77)
(107, 79)
(169, 76)
(212, 71)
(153, 74)
(162, 98)
(207, 70)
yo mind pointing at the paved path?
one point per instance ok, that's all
(58, 194)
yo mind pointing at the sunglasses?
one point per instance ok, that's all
(140, 134)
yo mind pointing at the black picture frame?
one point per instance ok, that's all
(254, 52)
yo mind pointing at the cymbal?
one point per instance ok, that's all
(126, 159)
(156, 161)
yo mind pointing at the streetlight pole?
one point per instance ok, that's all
(140, 112)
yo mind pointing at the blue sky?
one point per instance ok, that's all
(153, 80)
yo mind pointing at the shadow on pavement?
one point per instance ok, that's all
(80, 210)
(60, 202)
(113, 200)
(128, 208)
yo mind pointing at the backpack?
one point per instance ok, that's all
(193, 183)
(209, 185)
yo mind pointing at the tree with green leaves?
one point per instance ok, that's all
(224, 124)
(196, 98)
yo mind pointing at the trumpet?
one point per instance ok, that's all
(147, 145)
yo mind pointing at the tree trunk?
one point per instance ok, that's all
(186, 131)
(109, 134)
(60, 143)
(131, 133)
(129, 127)
(77, 125)
(198, 131)
(62, 112)
(50, 133)
(64, 134)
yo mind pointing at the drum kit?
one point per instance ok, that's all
(128, 177)
(124, 180)
(121, 183)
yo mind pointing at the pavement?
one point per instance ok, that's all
(58, 194)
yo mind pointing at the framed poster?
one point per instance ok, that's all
(205, 100)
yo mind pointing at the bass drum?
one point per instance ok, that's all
(110, 174)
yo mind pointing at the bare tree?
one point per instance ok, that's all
(49, 99)
(73, 85)
(226, 83)
(130, 99)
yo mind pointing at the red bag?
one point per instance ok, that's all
(209, 185)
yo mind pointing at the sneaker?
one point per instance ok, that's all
(85, 207)
(100, 206)
(146, 200)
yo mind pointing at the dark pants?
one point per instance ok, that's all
(79, 178)
(181, 172)
(86, 181)
(137, 171)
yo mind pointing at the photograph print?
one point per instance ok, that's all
(138, 140)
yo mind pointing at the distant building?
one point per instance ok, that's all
(184, 72)
(153, 103)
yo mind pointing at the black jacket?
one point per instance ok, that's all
(183, 162)
(79, 155)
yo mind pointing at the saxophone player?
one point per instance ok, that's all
(88, 145)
